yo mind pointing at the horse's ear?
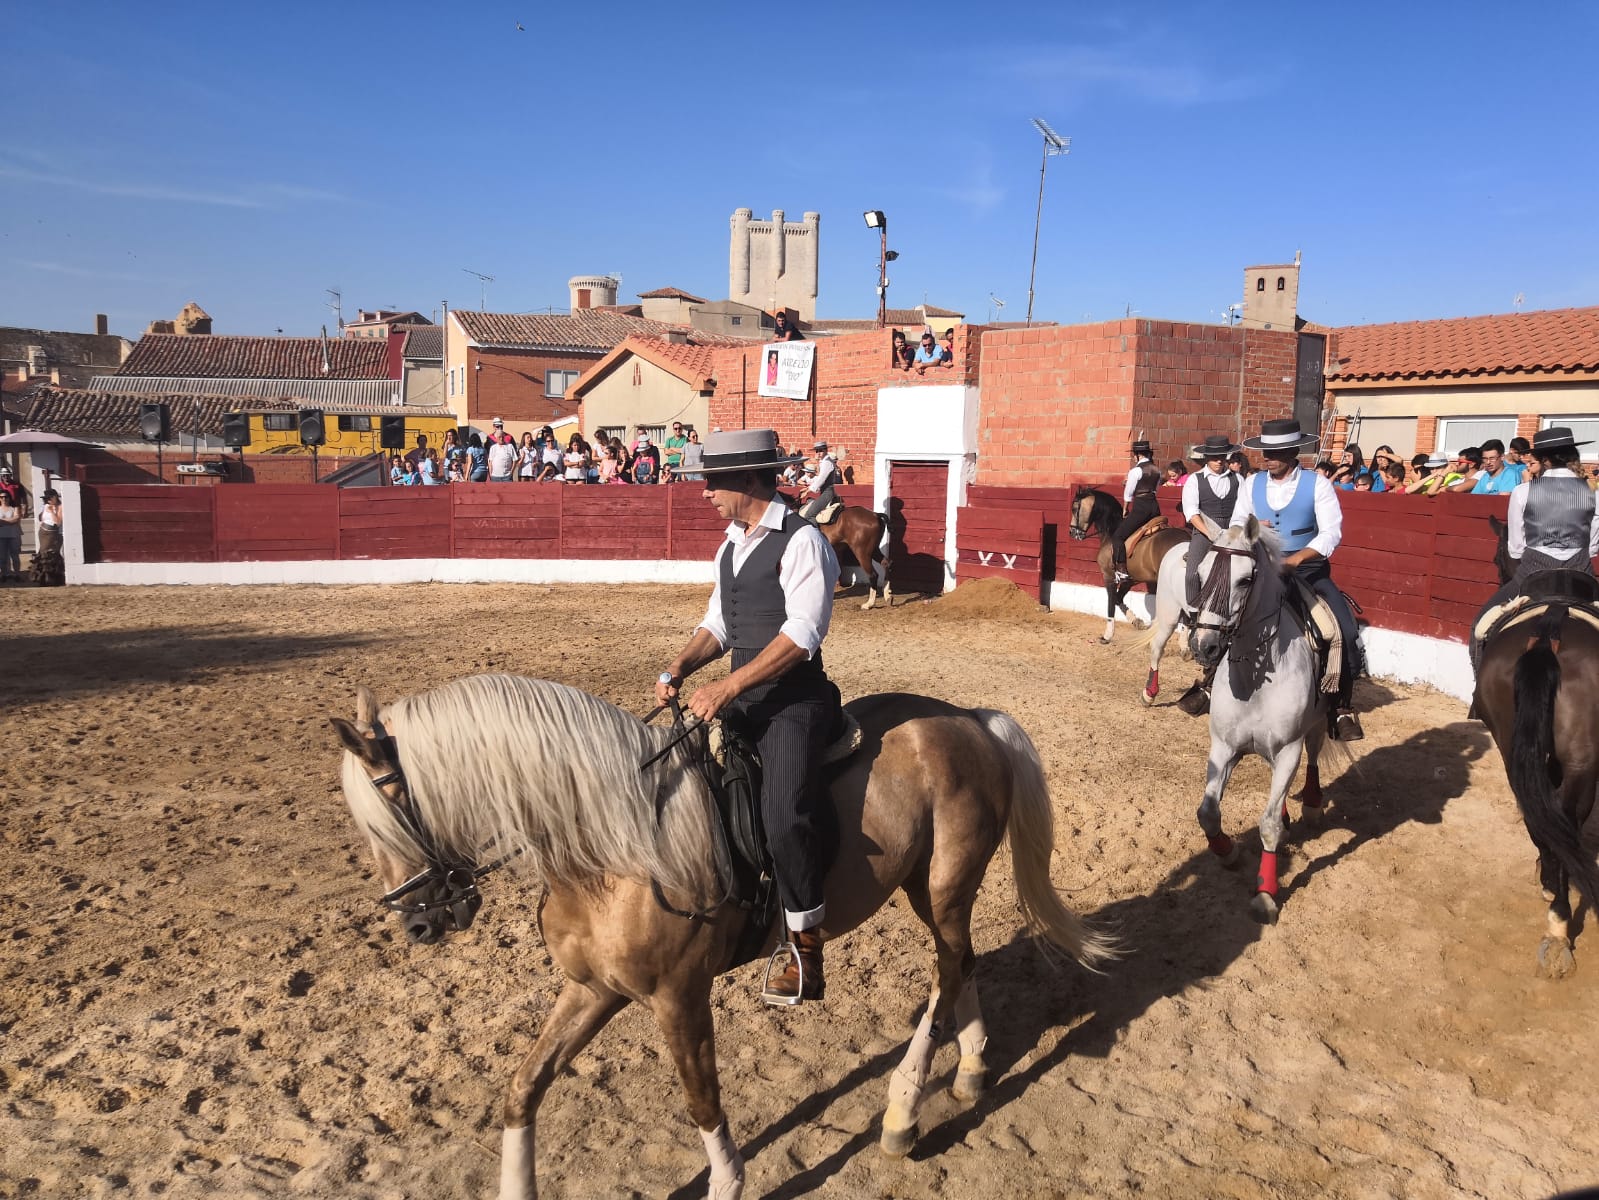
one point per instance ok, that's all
(355, 741)
(1252, 528)
(366, 706)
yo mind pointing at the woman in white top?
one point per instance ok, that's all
(10, 539)
(49, 569)
(528, 457)
(577, 460)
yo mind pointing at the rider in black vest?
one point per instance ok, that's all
(819, 491)
(1209, 498)
(1142, 507)
(771, 606)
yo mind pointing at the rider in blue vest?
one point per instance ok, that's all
(1302, 506)
(771, 607)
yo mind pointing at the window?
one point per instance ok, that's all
(1280, 283)
(738, 320)
(556, 382)
(1456, 433)
(606, 432)
(355, 424)
(279, 423)
(1584, 429)
(1260, 284)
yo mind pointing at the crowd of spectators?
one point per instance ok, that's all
(929, 352)
(540, 458)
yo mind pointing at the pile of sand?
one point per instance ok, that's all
(986, 598)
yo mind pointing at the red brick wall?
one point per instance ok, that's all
(850, 369)
(1270, 356)
(511, 385)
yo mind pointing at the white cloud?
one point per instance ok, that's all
(255, 195)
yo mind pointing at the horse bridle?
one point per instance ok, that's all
(457, 880)
(1080, 531)
(1215, 595)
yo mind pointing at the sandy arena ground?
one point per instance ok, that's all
(201, 996)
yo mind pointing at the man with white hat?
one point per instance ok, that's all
(771, 606)
(819, 483)
(1302, 506)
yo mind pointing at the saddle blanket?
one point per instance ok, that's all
(1149, 528)
(830, 513)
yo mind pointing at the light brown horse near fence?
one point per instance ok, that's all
(547, 780)
(1094, 511)
(860, 531)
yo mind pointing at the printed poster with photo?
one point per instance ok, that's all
(786, 369)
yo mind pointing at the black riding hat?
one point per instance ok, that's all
(1283, 434)
(1144, 448)
(1556, 437)
(1215, 446)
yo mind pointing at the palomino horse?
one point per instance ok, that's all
(1538, 693)
(860, 531)
(444, 778)
(1266, 698)
(1097, 511)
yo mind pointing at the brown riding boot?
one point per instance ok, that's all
(801, 976)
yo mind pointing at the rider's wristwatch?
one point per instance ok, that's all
(667, 678)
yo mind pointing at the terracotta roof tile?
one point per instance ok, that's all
(222, 356)
(109, 416)
(1564, 340)
(672, 293)
(585, 329)
(690, 361)
(424, 341)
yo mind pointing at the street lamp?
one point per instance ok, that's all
(1053, 144)
(876, 220)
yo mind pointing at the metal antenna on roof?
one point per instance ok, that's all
(1521, 298)
(483, 281)
(336, 305)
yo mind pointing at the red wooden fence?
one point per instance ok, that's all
(1001, 543)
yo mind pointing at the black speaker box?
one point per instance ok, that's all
(235, 429)
(391, 433)
(155, 422)
(313, 427)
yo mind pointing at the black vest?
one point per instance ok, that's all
(1558, 515)
(1218, 510)
(753, 605)
(1148, 480)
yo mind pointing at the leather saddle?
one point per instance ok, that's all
(733, 768)
(829, 514)
(1148, 529)
(1576, 591)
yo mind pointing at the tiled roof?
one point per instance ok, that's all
(585, 329)
(671, 293)
(108, 416)
(424, 341)
(221, 356)
(1564, 340)
(922, 315)
(334, 395)
(940, 312)
(689, 361)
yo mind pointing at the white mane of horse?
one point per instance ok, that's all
(546, 770)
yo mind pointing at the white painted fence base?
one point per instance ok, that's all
(1405, 657)
(398, 570)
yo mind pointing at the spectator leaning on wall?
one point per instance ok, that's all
(1497, 476)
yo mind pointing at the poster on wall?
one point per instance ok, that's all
(786, 369)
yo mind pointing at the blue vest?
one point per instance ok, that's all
(1295, 522)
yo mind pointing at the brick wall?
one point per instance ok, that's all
(511, 385)
(1426, 435)
(850, 368)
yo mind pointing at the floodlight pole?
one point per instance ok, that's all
(882, 277)
(1053, 144)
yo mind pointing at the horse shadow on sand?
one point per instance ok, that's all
(1189, 929)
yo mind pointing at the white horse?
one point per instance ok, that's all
(1266, 697)
(1170, 596)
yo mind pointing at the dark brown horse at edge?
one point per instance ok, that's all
(860, 531)
(1098, 512)
(1538, 693)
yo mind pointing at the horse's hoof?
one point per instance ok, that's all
(1139, 624)
(1147, 697)
(869, 602)
(1263, 908)
(969, 1086)
(1104, 641)
(1554, 958)
(897, 1143)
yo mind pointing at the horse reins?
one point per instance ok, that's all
(1215, 595)
(697, 761)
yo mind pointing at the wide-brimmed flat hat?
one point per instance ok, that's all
(1556, 437)
(1283, 434)
(743, 450)
(1216, 445)
(1143, 447)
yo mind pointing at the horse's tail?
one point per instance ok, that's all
(1032, 842)
(1532, 755)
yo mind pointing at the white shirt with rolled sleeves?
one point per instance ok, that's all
(825, 468)
(808, 570)
(1329, 515)
(1132, 481)
(1215, 480)
(1516, 540)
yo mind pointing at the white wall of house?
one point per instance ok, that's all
(928, 424)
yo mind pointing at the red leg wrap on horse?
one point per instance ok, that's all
(1220, 845)
(1152, 684)
(1266, 881)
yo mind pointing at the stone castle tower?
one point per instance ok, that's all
(1271, 295)
(773, 264)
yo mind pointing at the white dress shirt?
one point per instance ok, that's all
(1329, 515)
(1215, 480)
(825, 467)
(1133, 477)
(808, 570)
(1516, 543)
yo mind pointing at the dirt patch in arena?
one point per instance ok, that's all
(982, 599)
(202, 997)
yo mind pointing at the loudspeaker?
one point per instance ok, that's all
(155, 422)
(391, 433)
(313, 430)
(235, 430)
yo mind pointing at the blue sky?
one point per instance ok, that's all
(1428, 160)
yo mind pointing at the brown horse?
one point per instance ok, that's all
(1538, 693)
(1098, 512)
(548, 780)
(860, 531)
